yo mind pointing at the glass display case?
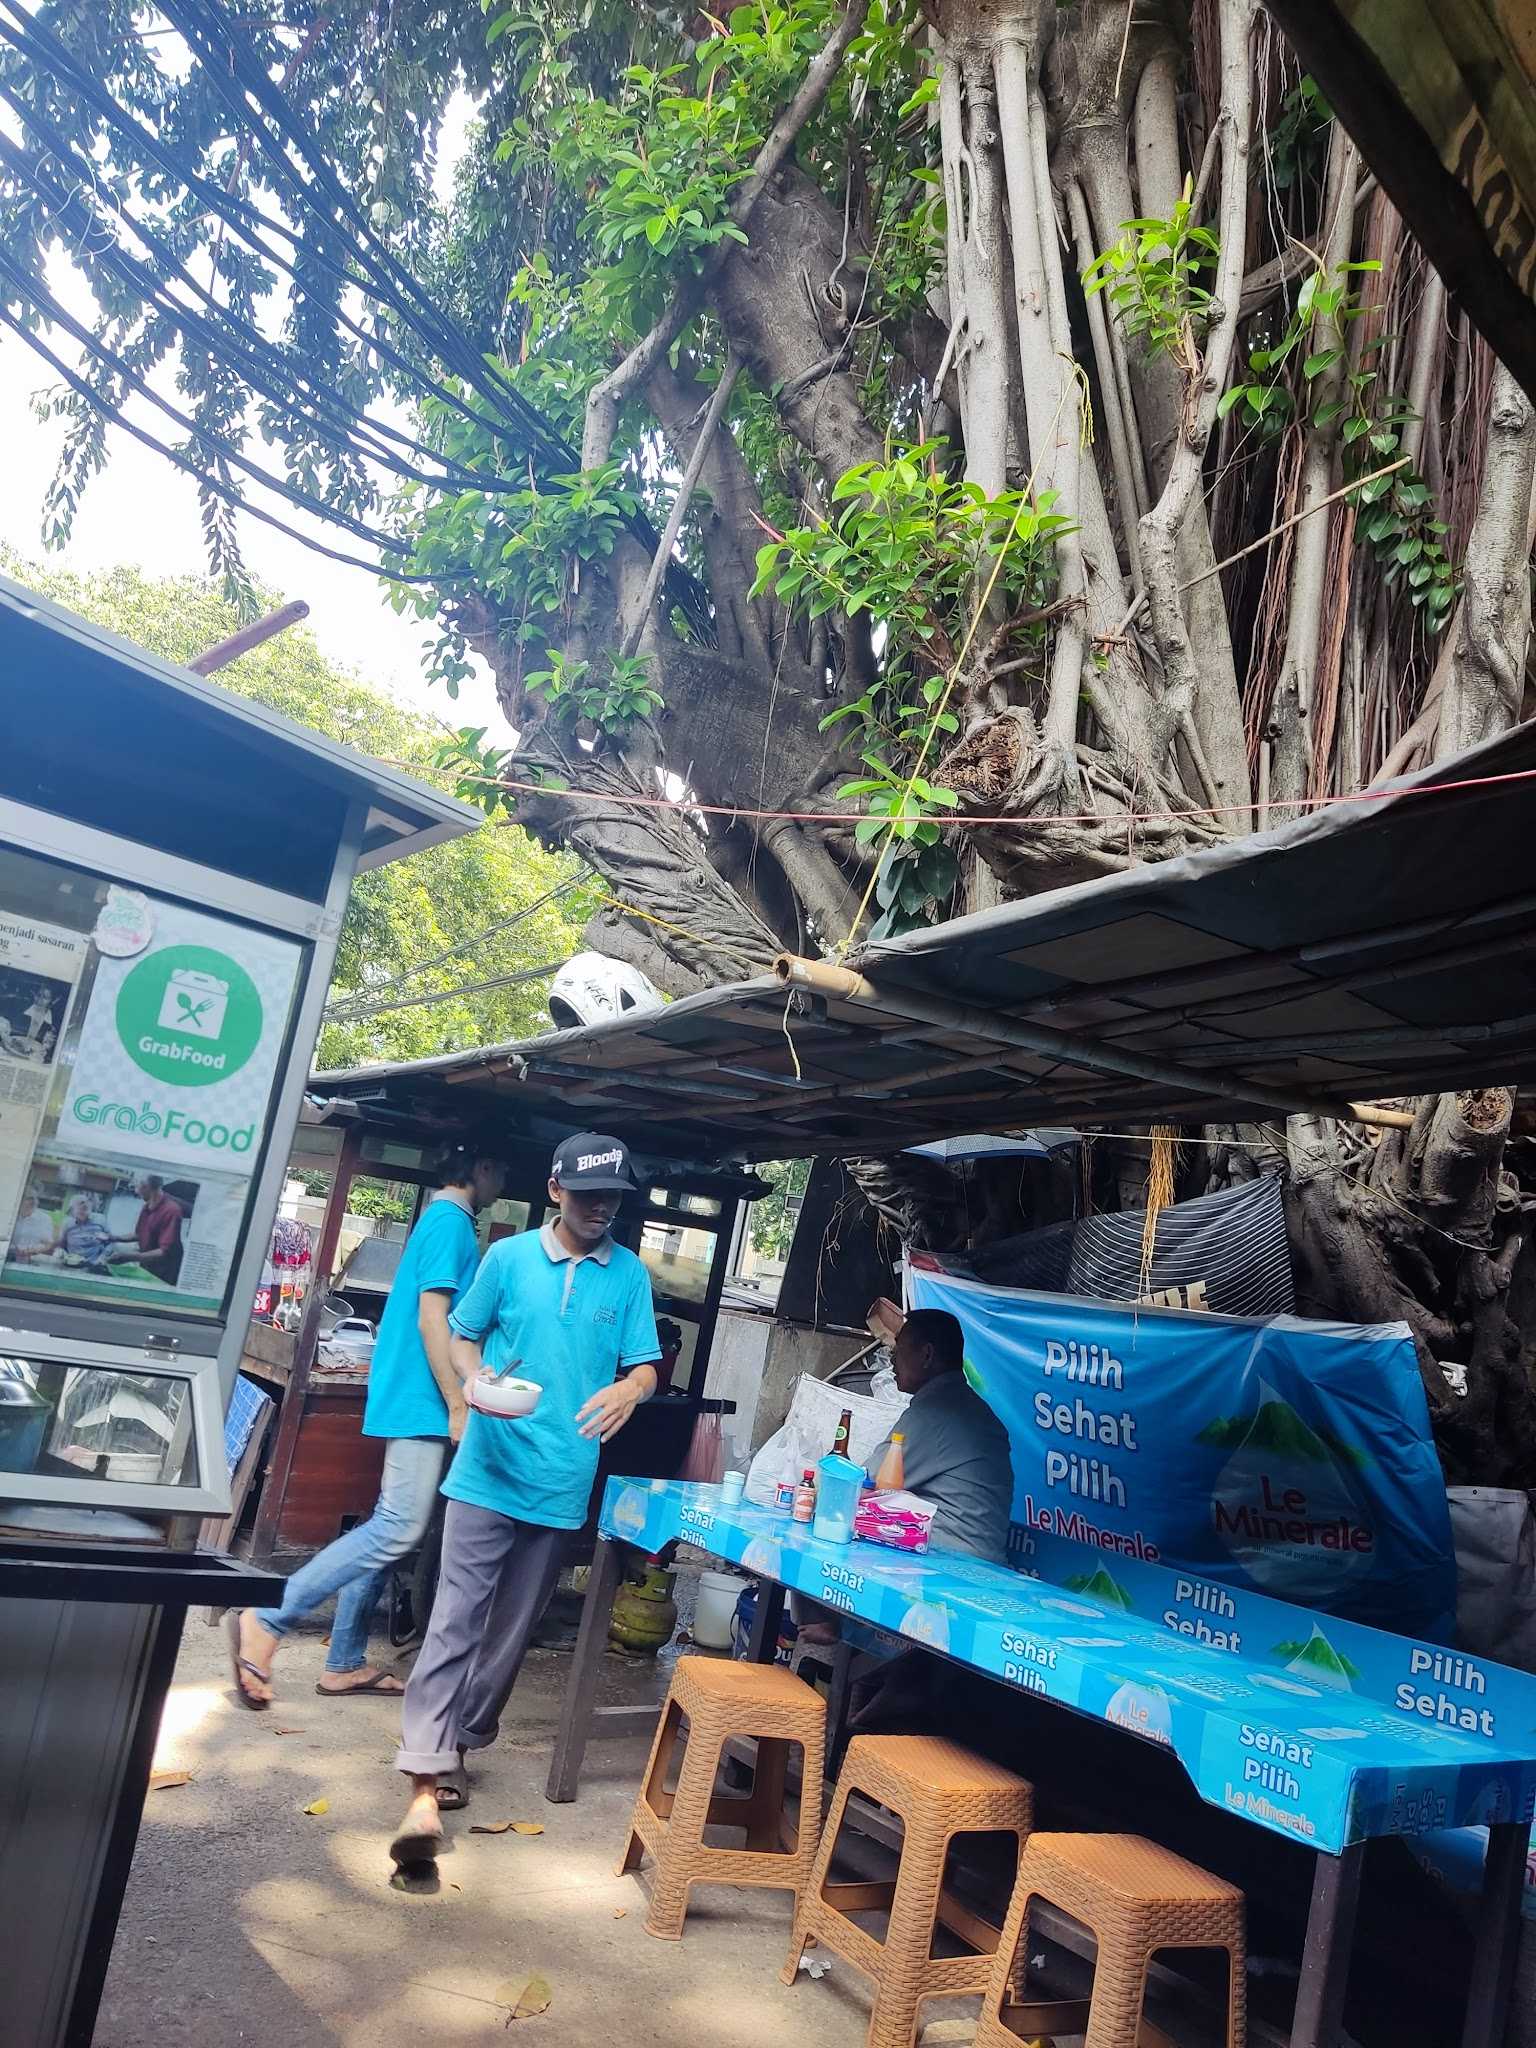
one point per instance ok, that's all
(142, 1039)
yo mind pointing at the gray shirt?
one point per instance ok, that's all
(955, 1453)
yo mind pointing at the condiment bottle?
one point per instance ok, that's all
(805, 1496)
(891, 1476)
(844, 1432)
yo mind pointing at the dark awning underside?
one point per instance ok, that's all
(1375, 948)
(1440, 97)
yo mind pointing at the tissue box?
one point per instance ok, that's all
(898, 1520)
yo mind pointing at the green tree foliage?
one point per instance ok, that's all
(773, 1221)
(402, 914)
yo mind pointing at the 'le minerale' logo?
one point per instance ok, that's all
(189, 1015)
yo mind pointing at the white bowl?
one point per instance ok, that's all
(505, 1397)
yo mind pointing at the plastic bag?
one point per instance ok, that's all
(705, 1462)
(807, 1431)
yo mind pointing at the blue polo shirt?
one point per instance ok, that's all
(568, 1323)
(440, 1257)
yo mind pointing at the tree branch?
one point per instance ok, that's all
(607, 395)
(679, 511)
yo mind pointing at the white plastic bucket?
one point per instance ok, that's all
(718, 1594)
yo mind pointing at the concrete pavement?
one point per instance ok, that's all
(248, 1921)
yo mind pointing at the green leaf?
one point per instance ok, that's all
(1228, 399)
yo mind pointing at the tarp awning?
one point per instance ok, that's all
(1373, 948)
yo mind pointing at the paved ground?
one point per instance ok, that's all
(249, 1921)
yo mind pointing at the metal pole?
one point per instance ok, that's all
(1095, 1056)
(248, 637)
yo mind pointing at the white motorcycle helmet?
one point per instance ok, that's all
(591, 989)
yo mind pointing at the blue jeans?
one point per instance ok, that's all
(355, 1566)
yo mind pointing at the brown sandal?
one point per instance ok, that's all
(237, 1664)
(383, 1685)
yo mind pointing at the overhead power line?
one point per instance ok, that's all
(447, 995)
(334, 1011)
(329, 251)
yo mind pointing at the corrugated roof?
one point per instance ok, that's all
(1372, 948)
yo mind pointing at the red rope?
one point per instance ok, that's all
(1300, 803)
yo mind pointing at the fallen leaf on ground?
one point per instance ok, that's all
(619, 1912)
(527, 1827)
(318, 1806)
(163, 1781)
(526, 1996)
(287, 1731)
(489, 1827)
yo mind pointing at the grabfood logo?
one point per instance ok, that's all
(189, 1015)
(148, 1122)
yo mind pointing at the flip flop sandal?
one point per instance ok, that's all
(453, 1789)
(418, 1845)
(237, 1664)
(382, 1685)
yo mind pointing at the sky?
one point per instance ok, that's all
(143, 511)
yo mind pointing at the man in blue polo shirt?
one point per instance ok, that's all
(570, 1310)
(416, 1401)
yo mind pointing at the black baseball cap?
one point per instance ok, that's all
(592, 1161)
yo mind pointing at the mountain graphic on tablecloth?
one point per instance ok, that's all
(1317, 1658)
(1100, 1586)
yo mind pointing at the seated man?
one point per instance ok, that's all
(954, 1449)
(954, 1454)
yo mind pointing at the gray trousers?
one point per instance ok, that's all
(493, 1584)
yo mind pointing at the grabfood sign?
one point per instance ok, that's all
(180, 1044)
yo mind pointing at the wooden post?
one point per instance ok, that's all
(1498, 1936)
(1319, 2016)
(306, 1344)
(581, 1680)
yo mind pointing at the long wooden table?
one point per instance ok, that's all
(1321, 1731)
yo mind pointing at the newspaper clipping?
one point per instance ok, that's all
(39, 972)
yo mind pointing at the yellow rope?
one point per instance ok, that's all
(1160, 1191)
(634, 910)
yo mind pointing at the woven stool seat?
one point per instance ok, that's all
(939, 1790)
(1135, 1898)
(719, 1699)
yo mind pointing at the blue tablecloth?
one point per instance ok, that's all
(1321, 1730)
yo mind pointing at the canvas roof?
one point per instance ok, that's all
(1373, 948)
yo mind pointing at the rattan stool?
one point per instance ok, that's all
(1134, 1898)
(722, 1698)
(939, 1790)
